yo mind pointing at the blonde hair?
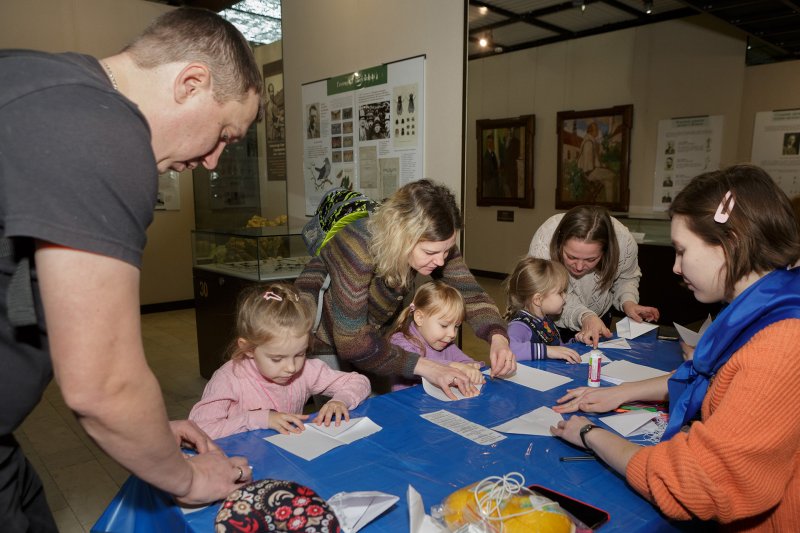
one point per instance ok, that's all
(268, 312)
(431, 298)
(418, 211)
(192, 34)
(533, 275)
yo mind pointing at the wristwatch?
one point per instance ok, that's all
(584, 430)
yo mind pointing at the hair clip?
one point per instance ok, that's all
(724, 208)
(412, 307)
(269, 295)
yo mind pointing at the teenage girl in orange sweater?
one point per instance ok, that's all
(731, 451)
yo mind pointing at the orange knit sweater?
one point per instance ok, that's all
(739, 465)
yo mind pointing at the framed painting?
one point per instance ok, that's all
(505, 161)
(593, 157)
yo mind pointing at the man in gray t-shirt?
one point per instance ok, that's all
(81, 144)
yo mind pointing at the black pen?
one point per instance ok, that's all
(577, 458)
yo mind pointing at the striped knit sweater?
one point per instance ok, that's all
(740, 465)
(359, 307)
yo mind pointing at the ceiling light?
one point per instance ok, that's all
(483, 10)
(579, 3)
(648, 6)
(483, 41)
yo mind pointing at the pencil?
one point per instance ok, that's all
(577, 458)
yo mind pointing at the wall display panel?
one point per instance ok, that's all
(776, 147)
(364, 131)
(686, 147)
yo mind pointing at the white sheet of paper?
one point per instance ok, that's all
(619, 344)
(621, 371)
(316, 440)
(628, 329)
(690, 337)
(536, 379)
(461, 426)
(418, 521)
(357, 509)
(603, 360)
(631, 423)
(536, 422)
(439, 394)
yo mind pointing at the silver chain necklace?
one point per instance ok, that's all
(110, 75)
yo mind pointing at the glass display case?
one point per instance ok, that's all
(257, 254)
(648, 229)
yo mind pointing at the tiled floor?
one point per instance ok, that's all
(79, 478)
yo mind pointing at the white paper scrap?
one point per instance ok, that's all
(628, 329)
(603, 360)
(357, 509)
(536, 422)
(621, 371)
(316, 440)
(690, 337)
(536, 379)
(418, 521)
(632, 423)
(439, 394)
(461, 426)
(618, 344)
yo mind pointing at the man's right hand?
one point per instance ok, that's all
(214, 476)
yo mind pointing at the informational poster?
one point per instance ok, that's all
(274, 121)
(686, 147)
(776, 147)
(363, 131)
(169, 192)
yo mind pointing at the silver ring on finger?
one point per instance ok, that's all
(240, 477)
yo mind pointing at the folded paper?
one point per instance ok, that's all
(632, 423)
(629, 329)
(316, 440)
(439, 394)
(621, 371)
(536, 422)
(690, 337)
(357, 509)
(536, 379)
(418, 521)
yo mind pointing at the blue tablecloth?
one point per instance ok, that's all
(410, 450)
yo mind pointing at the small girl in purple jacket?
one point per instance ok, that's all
(428, 327)
(536, 290)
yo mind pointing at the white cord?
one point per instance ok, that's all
(492, 492)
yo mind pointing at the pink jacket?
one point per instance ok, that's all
(238, 398)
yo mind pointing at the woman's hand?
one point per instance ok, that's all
(593, 328)
(502, 358)
(687, 351)
(286, 423)
(444, 376)
(562, 352)
(334, 409)
(640, 313)
(570, 429)
(471, 370)
(590, 400)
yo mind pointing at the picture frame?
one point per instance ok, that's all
(594, 157)
(505, 161)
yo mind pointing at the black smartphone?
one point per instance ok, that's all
(588, 514)
(667, 333)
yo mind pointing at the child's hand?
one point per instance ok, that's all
(286, 423)
(562, 352)
(472, 371)
(333, 408)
